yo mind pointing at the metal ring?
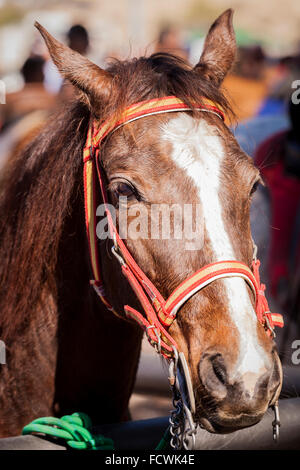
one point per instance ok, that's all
(158, 345)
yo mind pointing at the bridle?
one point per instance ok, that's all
(159, 313)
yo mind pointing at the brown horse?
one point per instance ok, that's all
(65, 350)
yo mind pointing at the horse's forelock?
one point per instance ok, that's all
(161, 74)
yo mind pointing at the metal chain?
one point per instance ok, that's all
(182, 426)
(176, 421)
(183, 429)
(276, 422)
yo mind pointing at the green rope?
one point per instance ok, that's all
(74, 429)
(164, 443)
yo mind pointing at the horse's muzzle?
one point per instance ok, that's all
(231, 403)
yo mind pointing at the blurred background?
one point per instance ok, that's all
(262, 87)
(125, 28)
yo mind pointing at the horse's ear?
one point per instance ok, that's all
(94, 82)
(219, 49)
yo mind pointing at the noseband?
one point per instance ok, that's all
(159, 313)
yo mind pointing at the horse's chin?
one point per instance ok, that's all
(218, 427)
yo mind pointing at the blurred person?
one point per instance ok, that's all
(284, 73)
(272, 116)
(78, 39)
(245, 84)
(292, 328)
(278, 159)
(32, 97)
(26, 111)
(250, 133)
(170, 41)
(295, 263)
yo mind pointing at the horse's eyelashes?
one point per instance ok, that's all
(124, 189)
(254, 188)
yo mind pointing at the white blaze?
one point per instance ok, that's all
(199, 151)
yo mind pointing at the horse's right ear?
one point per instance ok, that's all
(219, 49)
(94, 82)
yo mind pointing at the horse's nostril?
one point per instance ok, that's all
(219, 368)
(213, 374)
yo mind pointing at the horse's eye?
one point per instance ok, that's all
(254, 187)
(124, 189)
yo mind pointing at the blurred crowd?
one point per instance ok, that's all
(263, 93)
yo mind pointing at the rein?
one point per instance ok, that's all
(159, 313)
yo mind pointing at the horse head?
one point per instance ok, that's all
(179, 160)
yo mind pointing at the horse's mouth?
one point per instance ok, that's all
(225, 426)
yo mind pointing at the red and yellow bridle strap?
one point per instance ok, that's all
(94, 138)
(201, 279)
(159, 313)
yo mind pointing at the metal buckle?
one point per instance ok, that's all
(157, 346)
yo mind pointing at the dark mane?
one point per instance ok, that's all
(38, 188)
(36, 197)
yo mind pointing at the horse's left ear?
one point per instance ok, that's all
(219, 49)
(94, 82)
